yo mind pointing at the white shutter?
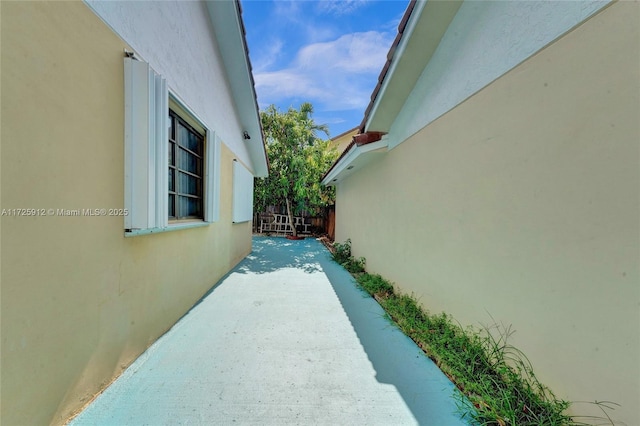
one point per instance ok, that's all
(212, 178)
(242, 193)
(146, 146)
(162, 153)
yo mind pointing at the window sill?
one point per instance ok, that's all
(172, 227)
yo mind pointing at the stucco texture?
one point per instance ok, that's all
(79, 300)
(522, 204)
(176, 37)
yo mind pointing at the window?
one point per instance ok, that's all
(172, 161)
(186, 170)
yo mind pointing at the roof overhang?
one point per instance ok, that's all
(363, 150)
(419, 34)
(226, 20)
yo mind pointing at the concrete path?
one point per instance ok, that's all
(285, 338)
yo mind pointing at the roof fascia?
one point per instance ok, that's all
(354, 153)
(425, 28)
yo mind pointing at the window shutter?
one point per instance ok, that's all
(146, 145)
(242, 193)
(212, 178)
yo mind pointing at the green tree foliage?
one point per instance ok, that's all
(298, 158)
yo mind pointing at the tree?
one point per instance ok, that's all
(297, 160)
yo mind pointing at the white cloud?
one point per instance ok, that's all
(288, 10)
(340, 7)
(335, 75)
(296, 16)
(351, 53)
(265, 58)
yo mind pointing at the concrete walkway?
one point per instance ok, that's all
(284, 338)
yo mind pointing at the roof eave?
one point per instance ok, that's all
(419, 33)
(226, 20)
(359, 152)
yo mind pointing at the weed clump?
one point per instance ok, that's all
(342, 255)
(375, 285)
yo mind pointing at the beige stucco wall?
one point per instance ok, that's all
(342, 141)
(523, 203)
(79, 300)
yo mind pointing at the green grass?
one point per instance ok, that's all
(494, 376)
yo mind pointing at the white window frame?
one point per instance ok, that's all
(146, 141)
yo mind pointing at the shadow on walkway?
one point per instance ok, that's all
(272, 254)
(285, 338)
(397, 360)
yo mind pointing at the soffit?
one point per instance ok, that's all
(418, 38)
(226, 19)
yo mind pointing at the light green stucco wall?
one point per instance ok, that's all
(523, 203)
(79, 300)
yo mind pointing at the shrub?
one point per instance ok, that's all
(342, 252)
(355, 266)
(342, 255)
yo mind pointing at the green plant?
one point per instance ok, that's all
(342, 255)
(375, 285)
(355, 266)
(342, 252)
(496, 382)
(298, 158)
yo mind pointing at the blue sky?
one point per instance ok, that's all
(327, 52)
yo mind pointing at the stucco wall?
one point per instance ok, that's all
(523, 203)
(79, 300)
(465, 62)
(177, 38)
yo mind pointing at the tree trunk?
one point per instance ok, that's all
(293, 225)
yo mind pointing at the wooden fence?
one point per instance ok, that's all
(276, 222)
